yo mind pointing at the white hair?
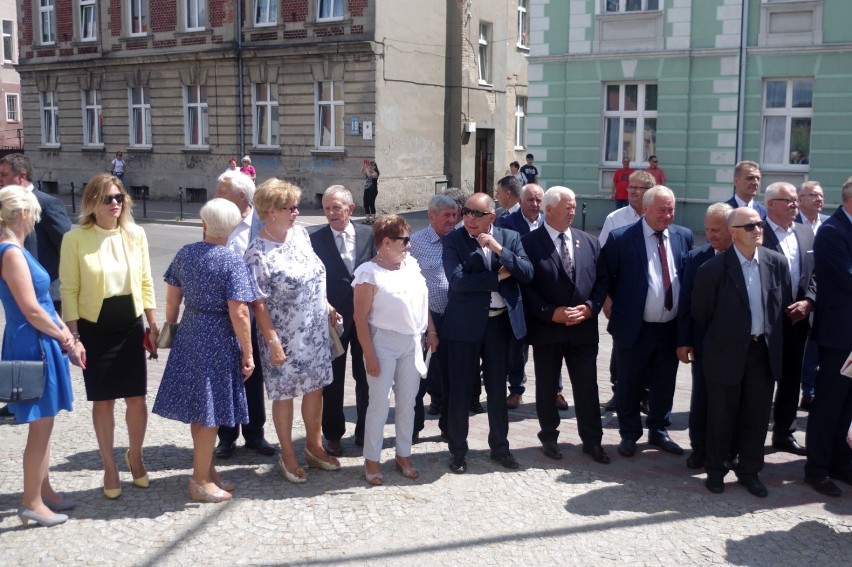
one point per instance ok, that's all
(239, 182)
(220, 217)
(340, 191)
(555, 194)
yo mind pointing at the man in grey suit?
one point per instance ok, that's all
(343, 246)
(739, 299)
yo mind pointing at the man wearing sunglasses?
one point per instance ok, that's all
(796, 242)
(485, 267)
(746, 186)
(739, 300)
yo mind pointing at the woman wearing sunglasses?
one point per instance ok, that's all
(391, 314)
(106, 286)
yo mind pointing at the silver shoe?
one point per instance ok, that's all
(26, 515)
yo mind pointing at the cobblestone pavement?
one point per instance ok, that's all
(649, 509)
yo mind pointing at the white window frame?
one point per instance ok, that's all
(139, 114)
(788, 113)
(328, 7)
(9, 37)
(640, 114)
(621, 6)
(520, 122)
(265, 132)
(49, 113)
(195, 15)
(92, 110)
(13, 107)
(138, 20)
(88, 12)
(47, 22)
(523, 25)
(335, 107)
(265, 13)
(200, 110)
(483, 54)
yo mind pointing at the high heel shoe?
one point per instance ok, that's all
(142, 481)
(197, 492)
(407, 472)
(63, 505)
(292, 476)
(376, 479)
(112, 493)
(331, 465)
(26, 515)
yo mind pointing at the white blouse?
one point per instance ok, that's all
(401, 303)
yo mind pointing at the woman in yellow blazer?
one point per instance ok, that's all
(106, 285)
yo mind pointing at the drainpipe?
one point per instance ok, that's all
(742, 80)
(238, 47)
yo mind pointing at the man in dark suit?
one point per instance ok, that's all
(795, 241)
(238, 188)
(529, 216)
(641, 265)
(45, 241)
(562, 303)
(343, 246)
(828, 454)
(690, 336)
(507, 193)
(746, 186)
(739, 299)
(485, 267)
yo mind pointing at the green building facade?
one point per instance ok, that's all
(633, 78)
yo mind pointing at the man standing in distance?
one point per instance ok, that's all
(746, 186)
(620, 182)
(529, 170)
(655, 170)
(343, 246)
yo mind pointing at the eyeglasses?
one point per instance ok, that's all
(292, 209)
(814, 195)
(405, 239)
(750, 226)
(789, 202)
(653, 161)
(474, 213)
(638, 187)
(117, 197)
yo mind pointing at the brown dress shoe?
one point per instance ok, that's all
(334, 448)
(513, 400)
(561, 404)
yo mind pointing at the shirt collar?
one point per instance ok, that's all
(743, 259)
(741, 203)
(648, 231)
(776, 228)
(554, 234)
(348, 231)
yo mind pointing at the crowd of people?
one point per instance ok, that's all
(445, 311)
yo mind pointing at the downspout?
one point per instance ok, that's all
(742, 80)
(238, 47)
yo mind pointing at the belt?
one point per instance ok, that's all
(757, 338)
(495, 312)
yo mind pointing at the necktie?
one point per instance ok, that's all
(565, 254)
(667, 278)
(344, 253)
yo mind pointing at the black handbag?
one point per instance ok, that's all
(23, 380)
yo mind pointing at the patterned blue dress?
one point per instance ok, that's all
(203, 381)
(20, 343)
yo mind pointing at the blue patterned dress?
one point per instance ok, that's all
(291, 278)
(203, 381)
(20, 343)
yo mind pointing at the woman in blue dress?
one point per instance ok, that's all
(32, 328)
(211, 354)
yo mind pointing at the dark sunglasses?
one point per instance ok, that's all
(750, 226)
(118, 198)
(405, 239)
(474, 213)
(292, 209)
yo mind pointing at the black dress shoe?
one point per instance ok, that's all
(225, 449)
(597, 453)
(665, 443)
(445, 435)
(627, 448)
(754, 486)
(261, 446)
(715, 484)
(842, 476)
(823, 485)
(434, 408)
(610, 405)
(695, 460)
(507, 461)
(458, 465)
(551, 450)
(476, 407)
(789, 445)
(334, 448)
(415, 438)
(807, 403)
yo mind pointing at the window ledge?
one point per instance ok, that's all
(196, 149)
(50, 147)
(94, 148)
(140, 149)
(485, 84)
(186, 33)
(140, 37)
(328, 151)
(331, 22)
(266, 149)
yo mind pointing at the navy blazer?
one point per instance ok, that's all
(720, 305)
(471, 283)
(552, 287)
(516, 221)
(338, 280)
(624, 269)
(806, 286)
(833, 266)
(689, 334)
(45, 241)
(761, 210)
(801, 219)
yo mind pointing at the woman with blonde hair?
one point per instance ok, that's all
(33, 331)
(106, 286)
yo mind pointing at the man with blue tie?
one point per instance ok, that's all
(746, 186)
(485, 267)
(641, 265)
(562, 303)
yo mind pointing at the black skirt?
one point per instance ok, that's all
(115, 357)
